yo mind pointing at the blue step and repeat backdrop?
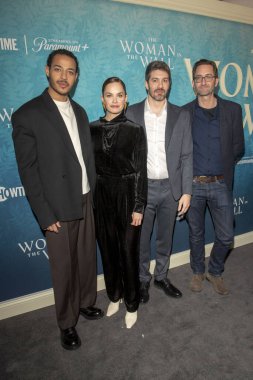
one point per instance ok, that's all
(108, 38)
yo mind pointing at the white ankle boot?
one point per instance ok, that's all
(130, 319)
(112, 308)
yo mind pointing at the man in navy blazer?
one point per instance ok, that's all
(218, 143)
(56, 166)
(169, 166)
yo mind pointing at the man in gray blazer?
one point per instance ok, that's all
(169, 165)
(56, 166)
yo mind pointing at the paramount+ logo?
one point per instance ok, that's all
(11, 192)
(33, 248)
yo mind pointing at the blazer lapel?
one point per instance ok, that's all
(139, 116)
(223, 123)
(170, 123)
(81, 131)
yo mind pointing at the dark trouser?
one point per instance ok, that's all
(72, 256)
(118, 241)
(219, 200)
(162, 206)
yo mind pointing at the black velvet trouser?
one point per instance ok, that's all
(118, 241)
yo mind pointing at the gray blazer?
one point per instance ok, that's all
(178, 145)
(48, 165)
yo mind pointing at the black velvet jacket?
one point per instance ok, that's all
(120, 150)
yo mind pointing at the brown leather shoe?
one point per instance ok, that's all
(218, 284)
(196, 284)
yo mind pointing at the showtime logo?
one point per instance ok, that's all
(42, 44)
(11, 192)
(5, 116)
(150, 50)
(9, 44)
(33, 248)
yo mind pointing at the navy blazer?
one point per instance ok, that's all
(48, 165)
(231, 135)
(178, 145)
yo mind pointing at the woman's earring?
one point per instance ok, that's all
(103, 105)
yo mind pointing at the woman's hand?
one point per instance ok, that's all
(136, 219)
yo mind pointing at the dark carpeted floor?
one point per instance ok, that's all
(201, 336)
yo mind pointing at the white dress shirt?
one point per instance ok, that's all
(155, 130)
(69, 118)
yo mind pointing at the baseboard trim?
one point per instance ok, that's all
(45, 298)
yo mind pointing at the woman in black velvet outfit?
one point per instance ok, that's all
(120, 197)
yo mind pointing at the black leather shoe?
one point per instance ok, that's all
(91, 312)
(69, 339)
(168, 288)
(144, 295)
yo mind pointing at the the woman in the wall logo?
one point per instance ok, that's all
(239, 204)
(34, 248)
(5, 116)
(150, 50)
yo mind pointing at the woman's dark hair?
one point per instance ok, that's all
(113, 80)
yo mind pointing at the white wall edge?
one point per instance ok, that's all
(45, 298)
(210, 8)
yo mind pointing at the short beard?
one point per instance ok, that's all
(161, 98)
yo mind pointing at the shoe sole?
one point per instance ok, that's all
(70, 348)
(196, 290)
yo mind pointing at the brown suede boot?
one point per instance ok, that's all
(196, 284)
(218, 284)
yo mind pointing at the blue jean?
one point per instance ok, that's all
(218, 199)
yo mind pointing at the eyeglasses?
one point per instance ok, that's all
(208, 78)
